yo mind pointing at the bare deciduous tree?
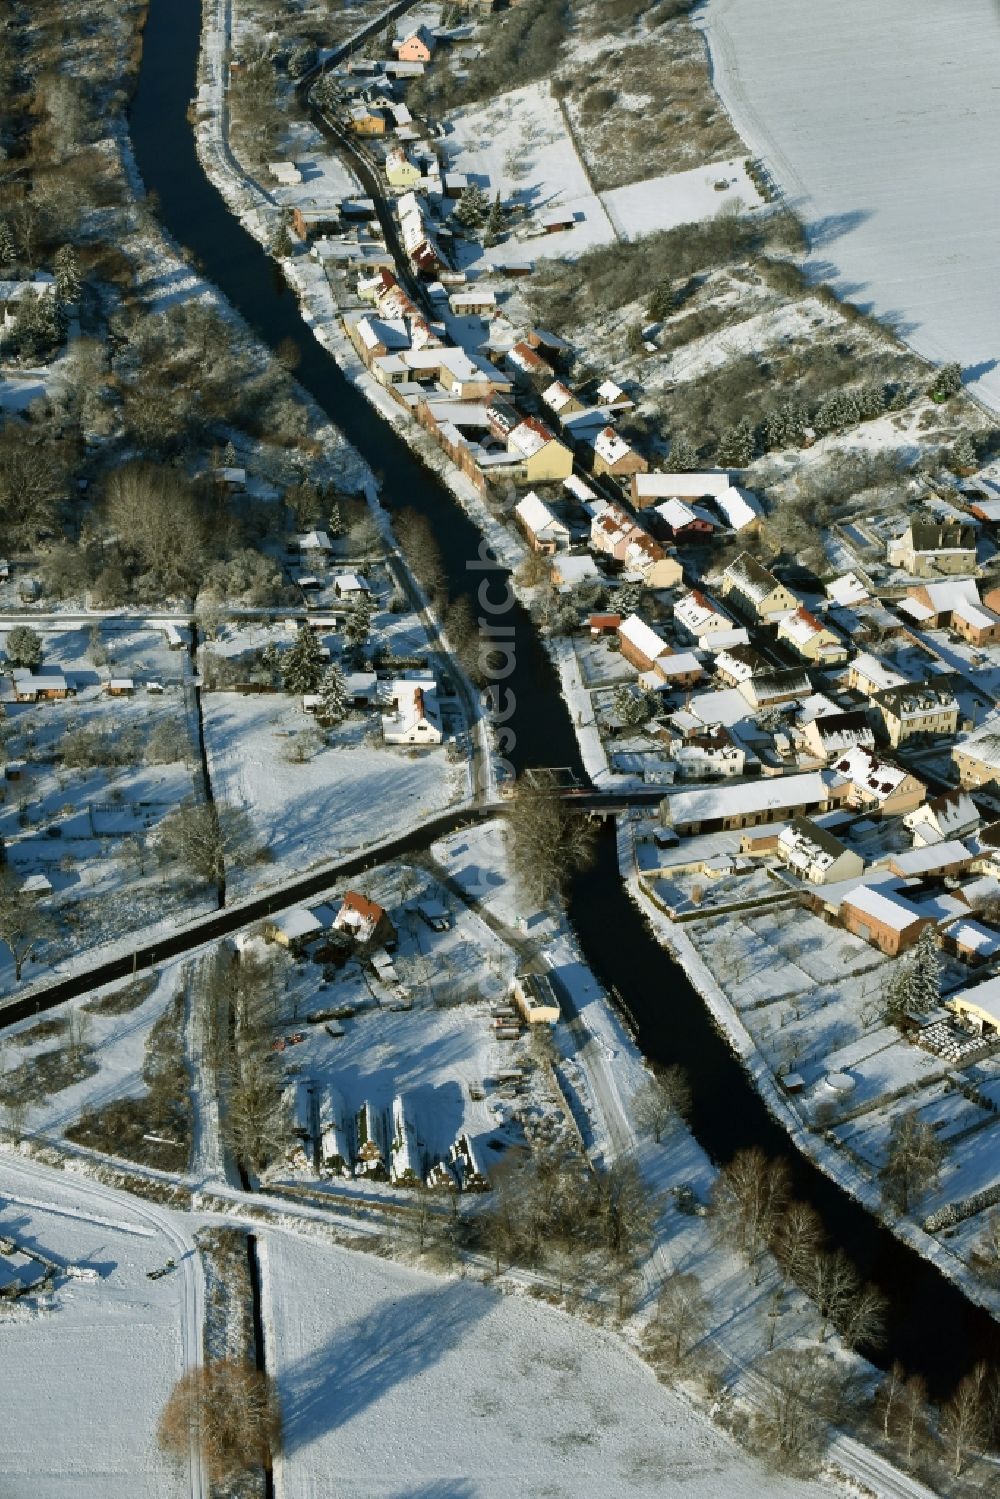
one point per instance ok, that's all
(912, 1405)
(661, 1099)
(856, 1310)
(679, 1321)
(799, 1395)
(229, 1411)
(748, 1200)
(965, 1417)
(913, 1162)
(798, 1236)
(549, 843)
(205, 839)
(23, 922)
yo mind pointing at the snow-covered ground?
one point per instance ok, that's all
(876, 122)
(517, 145)
(347, 795)
(680, 198)
(82, 1383)
(401, 1384)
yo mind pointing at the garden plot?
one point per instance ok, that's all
(401, 1383)
(905, 228)
(517, 145)
(600, 666)
(93, 776)
(680, 198)
(350, 793)
(83, 1384)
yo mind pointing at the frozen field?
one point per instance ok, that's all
(408, 1386)
(879, 122)
(82, 1385)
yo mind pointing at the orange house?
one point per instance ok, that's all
(417, 47)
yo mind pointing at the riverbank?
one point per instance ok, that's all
(861, 1186)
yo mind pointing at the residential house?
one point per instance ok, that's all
(683, 522)
(350, 586)
(418, 46)
(30, 687)
(754, 591)
(748, 804)
(953, 814)
(557, 220)
(701, 617)
(932, 604)
(418, 241)
(976, 623)
(813, 641)
(831, 734)
(679, 669)
(869, 675)
(613, 455)
(363, 120)
(545, 532)
(312, 220)
(541, 456)
(738, 663)
(778, 685)
(878, 786)
(846, 590)
(815, 855)
(738, 509)
(881, 916)
(479, 302)
(527, 361)
(970, 941)
(916, 710)
(614, 533)
(711, 755)
(400, 171)
(560, 399)
(121, 687)
(640, 644)
(416, 716)
(977, 758)
(931, 548)
(364, 920)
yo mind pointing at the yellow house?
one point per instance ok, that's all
(365, 121)
(543, 458)
(811, 640)
(755, 592)
(917, 710)
(978, 1006)
(400, 171)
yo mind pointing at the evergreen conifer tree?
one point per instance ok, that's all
(302, 666)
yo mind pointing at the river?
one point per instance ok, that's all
(932, 1328)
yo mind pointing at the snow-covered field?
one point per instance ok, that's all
(348, 795)
(680, 198)
(878, 123)
(82, 1384)
(396, 1383)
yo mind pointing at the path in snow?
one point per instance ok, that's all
(879, 123)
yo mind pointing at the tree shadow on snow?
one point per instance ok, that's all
(364, 1361)
(822, 232)
(441, 1488)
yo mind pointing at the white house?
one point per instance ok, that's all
(544, 530)
(417, 716)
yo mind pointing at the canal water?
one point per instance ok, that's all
(932, 1328)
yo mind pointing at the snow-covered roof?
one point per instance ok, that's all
(700, 615)
(951, 812)
(751, 578)
(847, 589)
(922, 861)
(294, 925)
(557, 395)
(875, 672)
(350, 583)
(612, 395)
(709, 803)
(29, 681)
(985, 997)
(578, 489)
(679, 486)
(610, 446)
(971, 936)
(676, 514)
(883, 905)
(976, 614)
(869, 772)
(530, 437)
(314, 541)
(738, 508)
(643, 637)
(678, 664)
(536, 517)
(572, 571)
(800, 626)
